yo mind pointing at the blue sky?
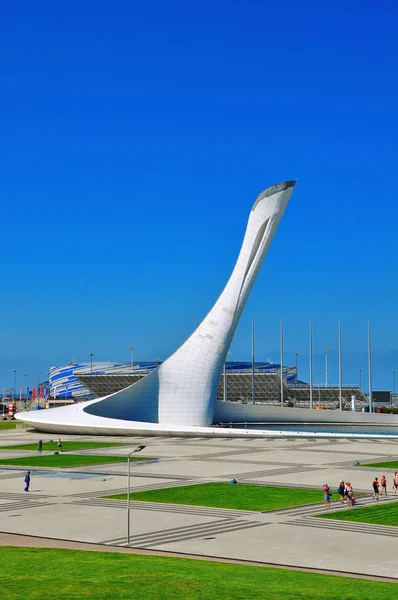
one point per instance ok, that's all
(135, 139)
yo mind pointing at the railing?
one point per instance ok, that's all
(316, 386)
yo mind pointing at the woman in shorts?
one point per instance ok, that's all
(326, 495)
(347, 488)
(383, 483)
(350, 497)
(349, 493)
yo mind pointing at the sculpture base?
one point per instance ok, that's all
(234, 420)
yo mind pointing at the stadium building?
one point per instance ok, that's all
(81, 381)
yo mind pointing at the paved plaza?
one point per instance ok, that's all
(67, 504)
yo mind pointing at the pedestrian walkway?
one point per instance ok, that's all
(70, 504)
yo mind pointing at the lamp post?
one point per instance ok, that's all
(225, 382)
(340, 368)
(132, 357)
(282, 398)
(138, 449)
(319, 388)
(91, 363)
(393, 384)
(326, 349)
(38, 388)
(26, 387)
(253, 390)
(311, 390)
(297, 357)
(360, 378)
(370, 367)
(15, 385)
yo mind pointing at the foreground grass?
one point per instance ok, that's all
(8, 425)
(390, 465)
(227, 495)
(66, 446)
(64, 461)
(47, 574)
(379, 514)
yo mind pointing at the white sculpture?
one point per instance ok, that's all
(183, 390)
(180, 395)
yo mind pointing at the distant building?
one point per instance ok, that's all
(80, 381)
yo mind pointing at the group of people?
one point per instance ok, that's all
(40, 446)
(376, 484)
(346, 492)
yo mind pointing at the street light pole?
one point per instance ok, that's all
(138, 449)
(393, 384)
(26, 388)
(132, 355)
(297, 357)
(91, 363)
(38, 388)
(128, 498)
(360, 378)
(282, 398)
(340, 368)
(225, 382)
(319, 388)
(311, 390)
(15, 385)
(370, 367)
(253, 390)
(326, 366)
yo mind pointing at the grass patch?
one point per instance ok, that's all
(66, 446)
(227, 495)
(8, 424)
(391, 465)
(65, 461)
(379, 514)
(74, 575)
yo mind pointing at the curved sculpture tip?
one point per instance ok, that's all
(274, 189)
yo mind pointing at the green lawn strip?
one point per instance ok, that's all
(379, 514)
(8, 424)
(64, 461)
(66, 446)
(391, 465)
(45, 574)
(228, 495)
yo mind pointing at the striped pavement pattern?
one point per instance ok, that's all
(189, 532)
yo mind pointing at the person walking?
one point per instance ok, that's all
(59, 444)
(326, 495)
(27, 481)
(375, 484)
(348, 492)
(395, 482)
(350, 496)
(341, 490)
(40, 446)
(347, 488)
(383, 483)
